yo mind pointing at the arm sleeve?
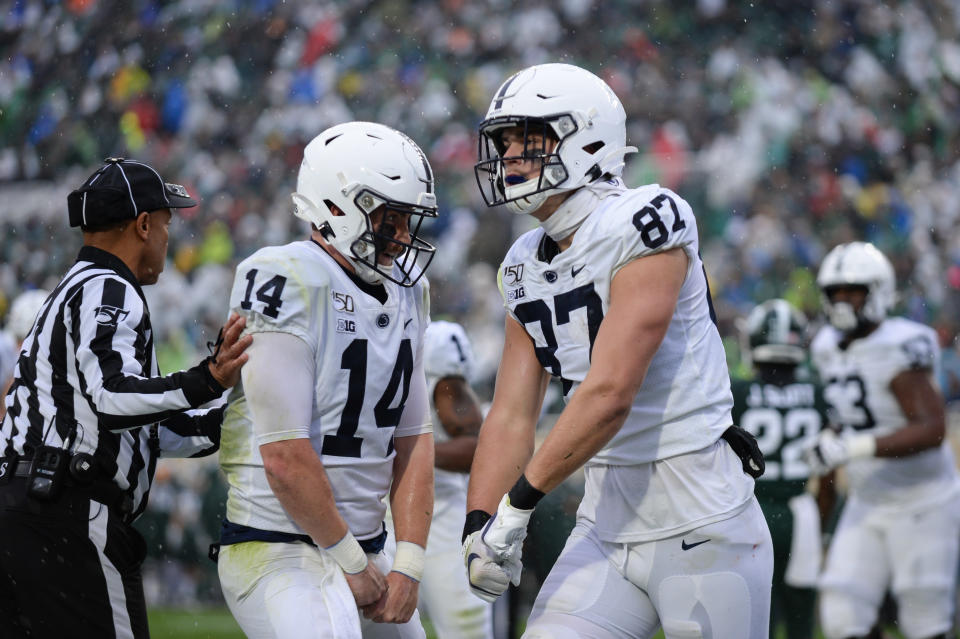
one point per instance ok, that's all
(106, 323)
(415, 420)
(278, 381)
(192, 433)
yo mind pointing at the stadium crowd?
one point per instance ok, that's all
(790, 126)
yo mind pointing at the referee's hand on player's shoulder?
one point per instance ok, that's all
(229, 355)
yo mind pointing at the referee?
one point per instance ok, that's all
(88, 414)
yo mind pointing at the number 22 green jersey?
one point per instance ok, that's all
(785, 419)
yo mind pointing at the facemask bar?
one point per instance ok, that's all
(377, 240)
(490, 170)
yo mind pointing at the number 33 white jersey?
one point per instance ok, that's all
(367, 355)
(684, 403)
(857, 389)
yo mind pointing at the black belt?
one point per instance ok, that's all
(105, 492)
(231, 533)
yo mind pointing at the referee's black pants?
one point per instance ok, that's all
(69, 568)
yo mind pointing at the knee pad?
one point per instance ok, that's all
(711, 605)
(843, 615)
(924, 613)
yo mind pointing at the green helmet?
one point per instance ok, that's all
(775, 333)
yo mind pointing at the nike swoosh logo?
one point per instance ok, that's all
(686, 546)
(407, 323)
(574, 270)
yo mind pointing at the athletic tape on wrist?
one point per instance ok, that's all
(348, 553)
(862, 446)
(409, 560)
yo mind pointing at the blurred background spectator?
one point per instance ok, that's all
(790, 126)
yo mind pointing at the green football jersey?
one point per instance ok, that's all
(785, 420)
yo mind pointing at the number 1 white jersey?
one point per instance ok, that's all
(366, 353)
(857, 389)
(684, 403)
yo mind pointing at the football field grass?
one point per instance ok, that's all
(217, 623)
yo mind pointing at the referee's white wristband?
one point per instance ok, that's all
(409, 560)
(348, 553)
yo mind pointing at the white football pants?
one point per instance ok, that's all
(712, 582)
(296, 591)
(914, 554)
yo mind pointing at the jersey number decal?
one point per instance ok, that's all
(848, 400)
(537, 311)
(799, 427)
(649, 222)
(354, 359)
(269, 293)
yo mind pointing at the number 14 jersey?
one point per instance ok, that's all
(560, 299)
(368, 355)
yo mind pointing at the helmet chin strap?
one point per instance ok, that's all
(363, 270)
(570, 215)
(525, 201)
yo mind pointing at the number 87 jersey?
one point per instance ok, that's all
(561, 298)
(368, 383)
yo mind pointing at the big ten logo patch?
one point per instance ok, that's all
(342, 302)
(515, 293)
(513, 274)
(346, 325)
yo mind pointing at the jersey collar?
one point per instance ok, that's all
(109, 260)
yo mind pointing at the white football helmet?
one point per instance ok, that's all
(562, 101)
(857, 264)
(23, 312)
(775, 332)
(359, 167)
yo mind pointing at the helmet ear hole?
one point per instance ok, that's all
(334, 209)
(594, 147)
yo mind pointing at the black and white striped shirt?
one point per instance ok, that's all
(87, 381)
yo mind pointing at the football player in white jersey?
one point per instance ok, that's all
(23, 311)
(609, 296)
(332, 412)
(444, 592)
(900, 527)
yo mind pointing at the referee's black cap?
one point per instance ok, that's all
(121, 189)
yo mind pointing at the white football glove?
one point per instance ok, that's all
(506, 530)
(832, 450)
(488, 579)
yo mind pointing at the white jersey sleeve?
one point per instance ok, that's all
(281, 406)
(664, 221)
(274, 297)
